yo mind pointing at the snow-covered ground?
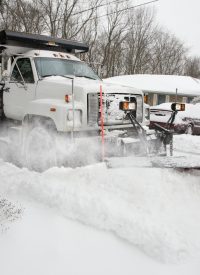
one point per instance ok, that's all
(94, 220)
(187, 144)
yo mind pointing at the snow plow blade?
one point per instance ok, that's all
(124, 162)
(175, 162)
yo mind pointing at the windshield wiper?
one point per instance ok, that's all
(66, 76)
(47, 75)
(85, 76)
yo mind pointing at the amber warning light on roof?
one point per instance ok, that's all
(52, 43)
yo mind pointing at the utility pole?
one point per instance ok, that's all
(176, 94)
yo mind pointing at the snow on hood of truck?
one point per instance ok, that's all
(114, 85)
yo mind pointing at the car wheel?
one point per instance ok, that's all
(189, 129)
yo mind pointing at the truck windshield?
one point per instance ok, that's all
(62, 67)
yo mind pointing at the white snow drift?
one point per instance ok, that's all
(153, 209)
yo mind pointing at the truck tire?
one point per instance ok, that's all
(39, 148)
(1, 106)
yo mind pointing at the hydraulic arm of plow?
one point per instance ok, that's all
(139, 130)
(164, 134)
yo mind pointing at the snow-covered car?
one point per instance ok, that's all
(187, 121)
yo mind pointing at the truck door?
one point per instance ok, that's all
(20, 89)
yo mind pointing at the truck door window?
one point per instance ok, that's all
(24, 66)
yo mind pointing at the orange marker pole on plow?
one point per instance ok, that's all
(102, 125)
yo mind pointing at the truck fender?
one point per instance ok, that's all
(48, 109)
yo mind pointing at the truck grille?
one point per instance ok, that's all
(93, 109)
(112, 114)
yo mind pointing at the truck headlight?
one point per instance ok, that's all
(127, 106)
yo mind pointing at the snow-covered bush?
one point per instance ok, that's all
(8, 213)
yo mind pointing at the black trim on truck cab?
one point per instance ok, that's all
(42, 42)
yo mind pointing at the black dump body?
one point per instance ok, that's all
(41, 42)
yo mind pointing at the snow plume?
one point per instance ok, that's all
(157, 212)
(39, 147)
(77, 152)
(4, 152)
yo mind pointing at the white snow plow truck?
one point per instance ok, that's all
(46, 92)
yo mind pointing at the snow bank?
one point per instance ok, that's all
(44, 242)
(156, 212)
(187, 144)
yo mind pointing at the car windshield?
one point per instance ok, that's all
(62, 67)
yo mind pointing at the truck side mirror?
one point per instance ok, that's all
(178, 107)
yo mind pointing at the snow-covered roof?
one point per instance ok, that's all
(166, 84)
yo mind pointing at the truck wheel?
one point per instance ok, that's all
(39, 150)
(189, 129)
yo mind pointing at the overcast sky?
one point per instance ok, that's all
(181, 17)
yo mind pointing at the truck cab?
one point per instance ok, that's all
(40, 83)
(43, 78)
(48, 82)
